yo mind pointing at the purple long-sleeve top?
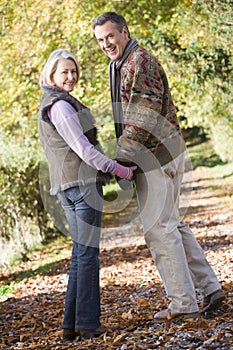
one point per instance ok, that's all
(65, 119)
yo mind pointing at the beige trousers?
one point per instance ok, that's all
(180, 260)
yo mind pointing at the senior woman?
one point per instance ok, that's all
(77, 169)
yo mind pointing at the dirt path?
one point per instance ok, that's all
(131, 291)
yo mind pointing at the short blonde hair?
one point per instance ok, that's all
(51, 66)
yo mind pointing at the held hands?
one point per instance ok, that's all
(124, 172)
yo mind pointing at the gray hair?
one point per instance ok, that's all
(51, 66)
(114, 17)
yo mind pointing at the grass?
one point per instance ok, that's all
(53, 253)
(202, 155)
(6, 289)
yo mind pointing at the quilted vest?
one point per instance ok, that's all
(66, 168)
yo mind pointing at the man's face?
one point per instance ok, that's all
(111, 40)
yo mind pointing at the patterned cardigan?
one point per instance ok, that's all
(150, 122)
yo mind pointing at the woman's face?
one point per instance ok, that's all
(66, 76)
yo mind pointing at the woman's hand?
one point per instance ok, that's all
(124, 172)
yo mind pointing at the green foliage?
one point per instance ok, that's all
(23, 220)
(200, 67)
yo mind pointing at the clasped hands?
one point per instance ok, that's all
(124, 172)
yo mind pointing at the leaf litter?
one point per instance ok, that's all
(131, 291)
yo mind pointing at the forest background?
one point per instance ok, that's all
(192, 40)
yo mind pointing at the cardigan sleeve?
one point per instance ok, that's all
(142, 99)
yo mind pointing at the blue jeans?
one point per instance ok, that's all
(83, 210)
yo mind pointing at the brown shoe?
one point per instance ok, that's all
(165, 315)
(213, 301)
(92, 333)
(69, 334)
